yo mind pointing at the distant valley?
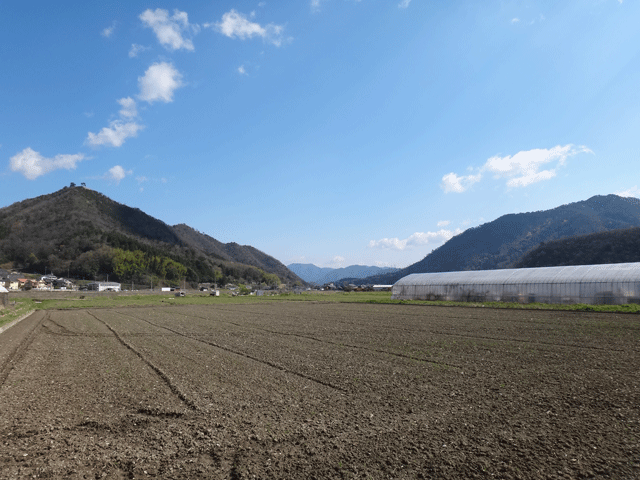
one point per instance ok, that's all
(320, 276)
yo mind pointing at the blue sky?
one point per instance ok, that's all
(332, 132)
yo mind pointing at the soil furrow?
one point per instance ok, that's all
(243, 354)
(328, 342)
(19, 351)
(172, 386)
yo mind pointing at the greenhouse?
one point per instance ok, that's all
(594, 284)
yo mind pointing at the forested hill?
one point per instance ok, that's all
(504, 241)
(616, 246)
(83, 233)
(245, 254)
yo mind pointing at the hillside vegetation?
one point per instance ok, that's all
(82, 233)
(616, 246)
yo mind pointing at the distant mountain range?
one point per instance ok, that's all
(503, 242)
(321, 276)
(80, 232)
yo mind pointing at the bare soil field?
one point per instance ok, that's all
(320, 390)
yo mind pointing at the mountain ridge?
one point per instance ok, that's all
(80, 231)
(502, 242)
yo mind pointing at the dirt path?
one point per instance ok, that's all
(300, 390)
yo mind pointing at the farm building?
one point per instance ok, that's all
(594, 284)
(104, 286)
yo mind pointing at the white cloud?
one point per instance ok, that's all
(129, 109)
(118, 130)
(114, 135)
(336, 262)
(242, 71)
(136, 49)
(117, 173)
(170, 31)
(522, 169)
(443, 223)
(141, 179)
(159, 82)
(107, 32)
(515, 20)
(458, 184)
(404, 3)
(415, 240)
(381, 264)
(237, 25)
(32, 165)
(630, 192)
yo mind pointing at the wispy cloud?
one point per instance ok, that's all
(136, 49)
(630, 192)
(107, 32)
(443, 223)
(242, 71)
(129, 109)
(237, 25)
(171, 31)
(415, 240)
(520, 170)
(458, 184)
(159, 82)
(404, 3)
(32, 165)
(315, 5)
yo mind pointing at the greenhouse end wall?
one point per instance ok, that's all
(591, 284)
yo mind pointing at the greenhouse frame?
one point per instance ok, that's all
(593, 284)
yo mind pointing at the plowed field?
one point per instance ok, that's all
(320, 390)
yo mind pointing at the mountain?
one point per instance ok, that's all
(320, 276)
(80, 232)
(245, 254)
(615, 246)
(502, 242)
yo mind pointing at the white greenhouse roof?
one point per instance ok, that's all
(616, 272)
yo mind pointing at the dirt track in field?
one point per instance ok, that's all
(314, 390)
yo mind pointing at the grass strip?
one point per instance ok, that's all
(115, 300)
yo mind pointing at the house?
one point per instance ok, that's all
(4, 297)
